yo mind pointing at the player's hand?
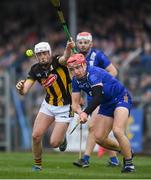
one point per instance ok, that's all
(20, 85)
(83, 117)
(70, 44)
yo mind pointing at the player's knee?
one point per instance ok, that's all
(36, 137)
(91, 129)
(118, 132)
(99, 139)
(54, 143)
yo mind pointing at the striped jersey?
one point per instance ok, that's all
(55, 80)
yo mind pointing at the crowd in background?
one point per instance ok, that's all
(120, 30)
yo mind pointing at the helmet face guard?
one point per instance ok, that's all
(43, 47)
(84, 42)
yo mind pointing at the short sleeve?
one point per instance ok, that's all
(31, 74)
(103, 60)
(75, 87)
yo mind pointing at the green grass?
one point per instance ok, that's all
(59, 166)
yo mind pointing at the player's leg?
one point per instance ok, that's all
(90, 144)
(113, 159)
(91, 139)
(58, 134)
(43, 120)
(41, 124)
(63, 116)
(102, 129)
(119, 126)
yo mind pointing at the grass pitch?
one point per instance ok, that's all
(59, 166)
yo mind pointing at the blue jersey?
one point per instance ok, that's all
(113, 93)
(97, 58)
(111, 87)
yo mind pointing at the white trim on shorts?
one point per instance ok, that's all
(60, 113)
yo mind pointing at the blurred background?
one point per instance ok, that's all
(121, 28)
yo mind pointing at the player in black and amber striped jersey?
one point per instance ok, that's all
(51, 73)
(56, 81)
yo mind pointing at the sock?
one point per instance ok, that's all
(114, 160)
(128, 162)
(38, 162)
(86, 158)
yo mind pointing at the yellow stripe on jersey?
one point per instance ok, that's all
(31, 80)
(70, 87)
(51, 96)
(58, 93)
(62, 76)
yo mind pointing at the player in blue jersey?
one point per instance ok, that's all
(114, 103)
(94, 57)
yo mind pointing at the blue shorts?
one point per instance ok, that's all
(108, 109)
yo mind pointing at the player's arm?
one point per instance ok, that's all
(106, 64)
(67, 52)
(23, 86)
(112, 70)
(76, 97)
(96, 101)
